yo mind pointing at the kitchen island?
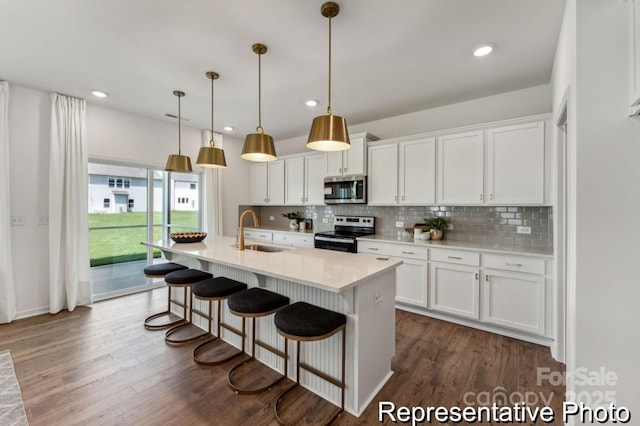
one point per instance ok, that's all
(361, 287)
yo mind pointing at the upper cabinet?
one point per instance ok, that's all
(402, 173)
(515, 164)
(267, 183)
(634, 57)
(497, 166)
(352, 161)
(304, 179)
(460, 168)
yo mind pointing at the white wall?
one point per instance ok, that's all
(235, 184)
(519, 103)
(604, 151)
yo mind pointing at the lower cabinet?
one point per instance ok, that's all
(293, 239)
(255, 235)
(507, 294)
(455, 289)
(412, 277)
(514, 299)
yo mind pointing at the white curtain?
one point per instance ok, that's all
(70, 273)
(7, 290)
(212, 191)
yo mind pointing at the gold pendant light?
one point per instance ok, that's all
(259, 146)
(210, 156)
(329, 132)
(179, 162)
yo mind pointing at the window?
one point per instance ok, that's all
(193, 185)
(130, 204)
(119, 183)
(112, 182)
(106, 203)
(127, 183)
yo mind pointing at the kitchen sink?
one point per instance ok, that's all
(266, 249)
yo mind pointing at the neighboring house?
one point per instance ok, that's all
(118, 189)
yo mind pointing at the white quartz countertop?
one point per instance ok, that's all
(325, 269)
(462, 245)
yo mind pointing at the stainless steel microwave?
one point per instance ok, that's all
(345, 189)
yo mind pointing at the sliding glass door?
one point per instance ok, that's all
(127, 205)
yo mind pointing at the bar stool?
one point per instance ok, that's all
(186, 331)
(154, 321)
(303, 322)
(214, 289)
(254, 303)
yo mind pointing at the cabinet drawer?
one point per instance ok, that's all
(514, 263)
(396, 250)
(258, 235)
(456, 256)
(305, 240)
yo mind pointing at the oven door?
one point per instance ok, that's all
(345, 190)
(335, 243)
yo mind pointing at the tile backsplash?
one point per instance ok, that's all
(489, 225)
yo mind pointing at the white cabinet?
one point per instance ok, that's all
(454, 287)
(460, 168)
(258, 235)
(402, 173)
(352, 161)
(498, 166)
(634, 57)
(267, 183)
(515, 164)
(515, 300)
(411, 277)
(304, 180)
(293, 239)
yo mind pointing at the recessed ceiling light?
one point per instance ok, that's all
(99, 93)
(311, 103)
(484, 50)
(228, 129)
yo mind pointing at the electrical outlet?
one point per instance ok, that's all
(315, 216)
(325, 220)
(399, 224)
(523, 230)
(450, 227)
(272, 218)
(17, 220)
(377, 297)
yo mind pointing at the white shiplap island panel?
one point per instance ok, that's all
(361, 287)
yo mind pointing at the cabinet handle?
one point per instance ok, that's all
(395, 198)
(373, 248)
(491, 196)
(263, 236)
(476, 275)
(514, 264)
(382, 258)
(486, 278)
(407, 252)
(455, 257)
(481, 197)
(340, 169)
(345, 170)
(402, 198)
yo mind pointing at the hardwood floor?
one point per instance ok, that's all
(99, 365)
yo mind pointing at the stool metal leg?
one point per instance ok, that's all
(171, 321)
(198, 352)
(186, 332)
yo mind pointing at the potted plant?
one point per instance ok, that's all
(437, 225)
(293, 219)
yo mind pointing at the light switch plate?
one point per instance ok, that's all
(523, 230)
(399, 224)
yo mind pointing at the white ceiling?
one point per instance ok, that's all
(389, 57)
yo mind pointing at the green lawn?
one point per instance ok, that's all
(120, 239)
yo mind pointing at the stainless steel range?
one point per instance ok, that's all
(345, 231)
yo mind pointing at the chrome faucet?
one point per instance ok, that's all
(256, 223)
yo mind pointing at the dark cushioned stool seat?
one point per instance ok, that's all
(163, 268)
(186, 276)
(217, 287)
(305, 320)
(256, 300)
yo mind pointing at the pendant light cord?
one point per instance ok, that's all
(259, 129)
(179, 125)
(329, 105)
(212, 143)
